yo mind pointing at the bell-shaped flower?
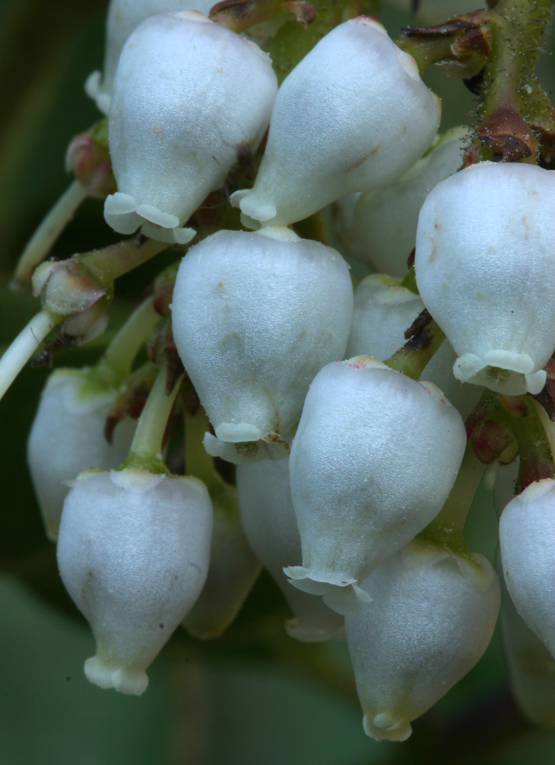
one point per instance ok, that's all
(67, 437)
(430, 619)
(353, 115)
(484, 251)
(383, 310)
(255, 317)
(380, 228)
(374, 459)
(527, 541)
(190, 98)
(232, 573)
(271, 528)
(531, 666)
(133, 553)
(123, 17)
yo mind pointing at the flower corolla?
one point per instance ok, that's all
(190, 97)
(353, 115)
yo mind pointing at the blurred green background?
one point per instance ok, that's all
(254, 697)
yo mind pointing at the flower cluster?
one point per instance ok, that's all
(343, 409)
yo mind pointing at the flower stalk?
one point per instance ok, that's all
(25, 345)
(424, 339)
(146, 449)
(52, 225)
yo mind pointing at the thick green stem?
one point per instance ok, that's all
(509, 103)
(517, 27)
(146, 449)
(121, 352)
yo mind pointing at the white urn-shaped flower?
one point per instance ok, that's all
(67, 437)
(133, 553)
(374, 459)
(430, 619)
(484, 255)
(271, 527)
(383, 310)
(232, 573)
(527, 541)
(380, 230)
(255, 317)
(531, 666)
(123, 17)
(353, 115)
(189, 98)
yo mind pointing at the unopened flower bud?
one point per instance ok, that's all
(353, 115)
(123, 17)
(527, 541)
(133, 553)
(67, 437)
(381, 229)
(189, 97)
(373, 461)
(383, 310)
(430, 619)
(484, 254)
(271, 528)
(255, 317)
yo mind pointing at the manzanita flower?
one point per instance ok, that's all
(189, 98)
(483, 254)
(123, 17)
(374, 459)
(527, 541)
(271, 527)
(67, 437)
(133, 553)
(353, 115)
(430, 619)
(531, 666)
(232, 573)
(255, 317)
(383, 310)
(380, 229)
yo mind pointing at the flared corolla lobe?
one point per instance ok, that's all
(255, 317)
(379, 227)
(133, 553)
(353, 115)
(189, 97)
(67, 437)
(271, 528)
(123, 17)
(383, 310)
(431, 618)
(527, 541)
(373, 461)
(233, 570)
(484, 256)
